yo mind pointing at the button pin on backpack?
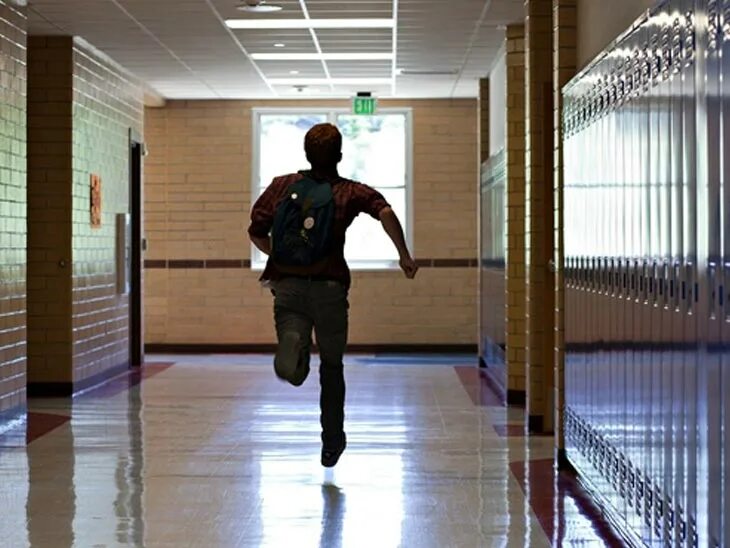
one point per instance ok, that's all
(309, 223)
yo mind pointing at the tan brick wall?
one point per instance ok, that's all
(49, 209)
(564, 65)
(197, 201)
(107, 103)
(13, 350)
(515, 159)
(81, 109)
(539, 211)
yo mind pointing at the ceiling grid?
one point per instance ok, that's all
(183, 49)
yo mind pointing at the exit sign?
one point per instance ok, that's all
(364, 105)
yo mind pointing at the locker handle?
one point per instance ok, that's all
(712, 286)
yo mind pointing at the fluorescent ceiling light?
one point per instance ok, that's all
(327, 81)
(322, 57)
(279, 45)
(310, 23)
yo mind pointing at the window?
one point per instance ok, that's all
(376, 151)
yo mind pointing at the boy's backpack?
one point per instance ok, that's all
(302, 230)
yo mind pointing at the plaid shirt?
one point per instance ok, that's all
(351, 199)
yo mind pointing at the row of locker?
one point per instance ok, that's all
(647, 274)
(493, 222)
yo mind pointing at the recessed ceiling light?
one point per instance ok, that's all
(310, 23)
(426, 72)
(279, 45)
(322, 57)
(258, 6)
(293, 72)
(328, 81)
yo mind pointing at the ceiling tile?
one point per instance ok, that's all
(181, 48)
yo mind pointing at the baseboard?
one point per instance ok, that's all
(70, 389)
(517, 398)
(174, 348)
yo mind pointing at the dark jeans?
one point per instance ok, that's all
(300, 306)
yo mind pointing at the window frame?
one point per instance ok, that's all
(331, 114)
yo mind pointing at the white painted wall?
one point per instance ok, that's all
(498, 103)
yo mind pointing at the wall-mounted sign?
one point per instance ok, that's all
(364, 106)
(95, 204)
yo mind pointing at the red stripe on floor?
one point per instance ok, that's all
(478, 386)
(564, 509)
(40, 424)
(129, 379)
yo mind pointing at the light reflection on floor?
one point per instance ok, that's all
(215, 451)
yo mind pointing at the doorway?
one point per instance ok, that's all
(136, 250)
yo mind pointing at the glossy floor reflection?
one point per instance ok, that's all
(216, 452)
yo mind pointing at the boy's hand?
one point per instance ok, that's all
(409, 267)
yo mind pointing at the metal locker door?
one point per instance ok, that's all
(632, 224)
(618, 296)
(709, 207)
(603, 301)
(662, 368)
(655, 356)
(634, 153)
(664, 479)
(676, 443)
(593, 401)
(629, 317)
(724, 38)
(606, 310)
(583, 394)
(647, 315)
(689, 289)
(569, 270)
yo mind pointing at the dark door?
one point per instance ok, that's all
(136, 337)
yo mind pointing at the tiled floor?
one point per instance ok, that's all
(214, 451)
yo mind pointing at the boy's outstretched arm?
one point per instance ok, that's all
(394, 230)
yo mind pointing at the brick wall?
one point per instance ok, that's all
(515, 159)
(81, 109)
(197, 201)
(539, 211)
(13, 350)
(107, 103)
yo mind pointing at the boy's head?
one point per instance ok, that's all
(323, 146)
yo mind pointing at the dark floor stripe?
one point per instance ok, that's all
(478, 386)
(129, 379)
(33, 426)
(40, 424)
(554, 497)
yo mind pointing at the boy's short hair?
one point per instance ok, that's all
(323, 145)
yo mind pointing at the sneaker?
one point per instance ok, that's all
(331, 456)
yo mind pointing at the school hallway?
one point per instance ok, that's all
(170, 456)
(516, 213)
